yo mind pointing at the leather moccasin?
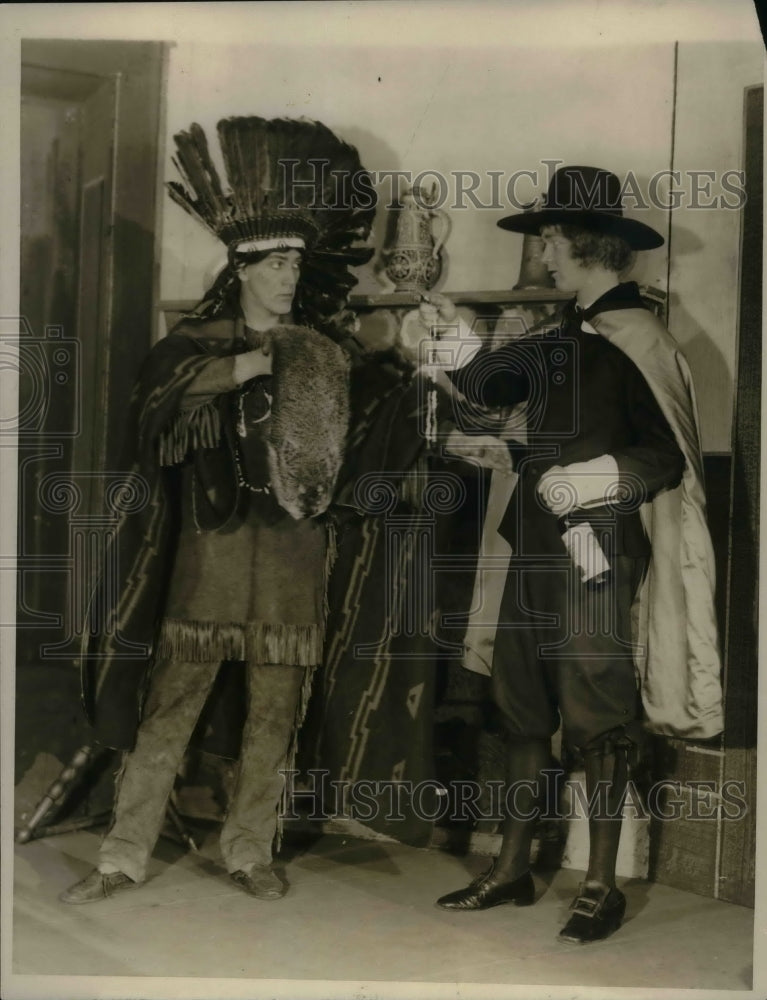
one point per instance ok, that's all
(261, 882)
(96, 886)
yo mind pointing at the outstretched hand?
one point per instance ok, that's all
(437, 311)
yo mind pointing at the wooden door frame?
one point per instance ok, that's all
(737, 842)
(46, 729)
(140, 70)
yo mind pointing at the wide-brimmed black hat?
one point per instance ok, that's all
(587, 197)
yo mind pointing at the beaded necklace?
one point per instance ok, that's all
(242, 431)
(253, 339)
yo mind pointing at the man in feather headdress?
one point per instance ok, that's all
(238, 426)
(611, 569)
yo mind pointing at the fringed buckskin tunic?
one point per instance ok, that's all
(209, 566)
(253, 588)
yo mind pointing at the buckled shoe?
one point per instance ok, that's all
(596, 913)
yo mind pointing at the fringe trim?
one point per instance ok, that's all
(331, 554)
(256, 642)
(198, 428)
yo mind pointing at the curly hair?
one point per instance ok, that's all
(592, 248)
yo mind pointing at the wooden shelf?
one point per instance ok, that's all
(405, 300)
(511, 297)
(393, 300)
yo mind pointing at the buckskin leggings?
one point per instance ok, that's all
(177, 694)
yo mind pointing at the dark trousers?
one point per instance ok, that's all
(564, 650)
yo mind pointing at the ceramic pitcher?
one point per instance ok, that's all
(413, 260)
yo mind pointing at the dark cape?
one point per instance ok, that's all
(127, 603)
(371, 722)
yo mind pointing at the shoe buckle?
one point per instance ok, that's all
(586, 906)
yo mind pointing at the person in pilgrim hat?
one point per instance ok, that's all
(607, 618)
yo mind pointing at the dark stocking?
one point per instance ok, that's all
(606, 779)
(525, 762)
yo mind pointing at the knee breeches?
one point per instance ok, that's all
(565, 651)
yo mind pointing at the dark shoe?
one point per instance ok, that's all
(96, 886)
(597, 912)
(483, 892)
(260, 882)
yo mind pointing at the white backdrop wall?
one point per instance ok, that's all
(491, 109)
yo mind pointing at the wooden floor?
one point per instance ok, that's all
(357, 911)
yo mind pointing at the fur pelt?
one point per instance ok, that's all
(310, 419)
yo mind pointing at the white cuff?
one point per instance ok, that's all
(596, 482)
